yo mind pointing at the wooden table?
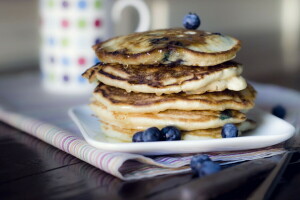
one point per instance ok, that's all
(32, 169)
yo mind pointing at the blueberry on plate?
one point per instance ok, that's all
(152, 134)
(138, 137)
(229, 130)
(279, 111)
(197, 160)
(207, 168)
(191, 21)
(171, 133)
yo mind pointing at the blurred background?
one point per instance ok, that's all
(269, 31)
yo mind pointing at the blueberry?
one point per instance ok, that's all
(138, 137)
(225, 114)
(171, 133)
(207, 168)
(191, 21)
(196, 162)
(152, 134)
(229, 130)
(279, 111)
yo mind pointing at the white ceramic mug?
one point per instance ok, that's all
(68, 30)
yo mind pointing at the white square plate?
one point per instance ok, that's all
(270, 130)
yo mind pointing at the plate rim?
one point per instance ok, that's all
(141, 148)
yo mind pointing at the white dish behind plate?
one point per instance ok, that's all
(270, 130)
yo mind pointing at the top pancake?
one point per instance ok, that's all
(167, 79)
(188, 47)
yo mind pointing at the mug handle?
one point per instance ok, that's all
(140, 6)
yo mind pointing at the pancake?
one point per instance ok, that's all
(118, 134)
(184, 120)
(189, 47)
(167, 79)
(119, 100)
(216, 132)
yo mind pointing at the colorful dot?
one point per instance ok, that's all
(81, 61)
(65, 42)
(81, 79)
(65, 61)
(98, 4)
(52, 60)
(96, 60)
(65, 23)
(81, 23)
(51, 77)
(51, 41)
(65, 4)
(98, 40)
(51, 3)
(66, 78)
(82, 4)
(98, 22)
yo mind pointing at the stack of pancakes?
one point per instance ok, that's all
(177, 77)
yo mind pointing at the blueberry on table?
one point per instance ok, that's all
(279, 111)
(191, 21)
(152, 134)
(197, 160)
(138, 137)
(207, 168)
(229, 130)
(171, 133)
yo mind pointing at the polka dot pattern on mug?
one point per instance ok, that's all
(66, 78)
(81, 23)
(98, 4)
(98, 23)
(81, 61)
(98, 40)
(82, 4)
(65, 23)
(51, 3)
(65, 4)
(69, 29)
(51, 41)
(52, 59)
(65, 61)
(65, 42)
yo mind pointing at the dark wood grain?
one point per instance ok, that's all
(218, 184)
(288, 188)
(22, 155)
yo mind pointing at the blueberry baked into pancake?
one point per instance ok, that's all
(170, 84)
(171, 78)
(186, 47)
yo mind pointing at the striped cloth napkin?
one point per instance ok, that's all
(43, 115)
